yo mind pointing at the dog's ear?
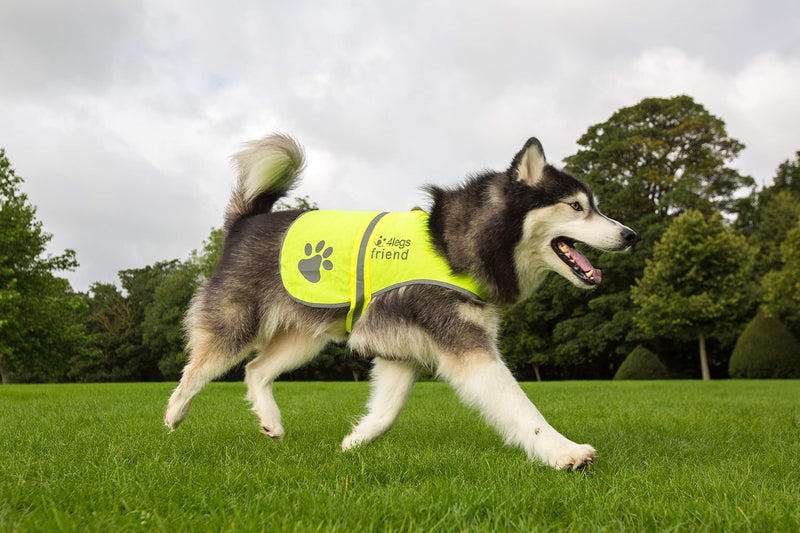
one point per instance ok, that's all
(528, 165)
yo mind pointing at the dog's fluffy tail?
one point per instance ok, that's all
(268, 169)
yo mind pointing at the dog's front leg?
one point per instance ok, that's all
(482, 380)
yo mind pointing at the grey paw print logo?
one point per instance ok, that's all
(310, 266)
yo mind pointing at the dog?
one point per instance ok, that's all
(498, 232)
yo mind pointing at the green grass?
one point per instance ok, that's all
(673, 455)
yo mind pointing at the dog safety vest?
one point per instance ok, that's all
(346, 258)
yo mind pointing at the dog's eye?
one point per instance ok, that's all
(576, 206)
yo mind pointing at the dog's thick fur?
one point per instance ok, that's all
(506, 229)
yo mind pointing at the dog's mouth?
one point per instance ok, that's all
(576, 261)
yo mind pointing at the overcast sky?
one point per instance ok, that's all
(121, 116)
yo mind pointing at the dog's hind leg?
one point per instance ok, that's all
(391, 384)
(284, 352)
(207, 360)
(483, 381)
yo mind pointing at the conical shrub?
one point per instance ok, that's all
(641, 363)
(765, 349)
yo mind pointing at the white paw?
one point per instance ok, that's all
(174, 415)
(353, 440)
(273, 432)
(575, 456)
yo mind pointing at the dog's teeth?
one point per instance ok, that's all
(565, 250)
(589, 273)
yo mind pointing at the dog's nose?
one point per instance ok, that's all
(629, 236)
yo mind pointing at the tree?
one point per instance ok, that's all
(205, 260)
(698, 283)
(521, 343)
(787, 177)
(110, 325)
(117, 322)
(661, 156)
(141, 286)
(136, 332)
(774, 218)
(38, 332)
(765, 350)
(641, 363)
(162, 329)
(782, 287)
(772, 212)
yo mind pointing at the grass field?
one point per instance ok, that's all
(673, 455)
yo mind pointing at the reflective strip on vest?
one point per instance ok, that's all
(336, 259)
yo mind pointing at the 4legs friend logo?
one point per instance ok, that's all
(310, 266)
(391, 248)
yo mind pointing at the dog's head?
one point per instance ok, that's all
(559, 212)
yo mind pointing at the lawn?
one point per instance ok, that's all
(673, 455)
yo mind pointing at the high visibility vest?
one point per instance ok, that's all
(346, 258)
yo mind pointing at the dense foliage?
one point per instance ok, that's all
(765, 349)
(782, 286)
(712, 249)
(641, 363)
(697, 284)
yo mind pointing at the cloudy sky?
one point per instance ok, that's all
(121, 116)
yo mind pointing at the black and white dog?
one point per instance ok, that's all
(504, 230)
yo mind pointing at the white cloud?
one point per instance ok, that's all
(763, 109)
(758, 101)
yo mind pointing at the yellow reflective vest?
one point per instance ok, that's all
(345, 258)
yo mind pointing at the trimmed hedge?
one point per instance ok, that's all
(765, 349)
(641, 363)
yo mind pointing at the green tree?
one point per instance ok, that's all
(141, 285)
(787, 178)
(765, 350)
(116, 320)
(773, 212)
(697, 285)
(522, 343)
(776, 214)
(162, 331)
(38, 330)
(782, 287)
(641, 363)
(111, 325)
(136, 332)
(662, 156)
(205, 260)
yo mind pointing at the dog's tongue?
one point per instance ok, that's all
(585, 265)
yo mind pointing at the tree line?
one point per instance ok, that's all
(714, 249)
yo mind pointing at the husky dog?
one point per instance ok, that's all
(506, 230)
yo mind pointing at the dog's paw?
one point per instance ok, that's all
(274, 433)
(174, 415)
(575, 456)
(354, 440)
